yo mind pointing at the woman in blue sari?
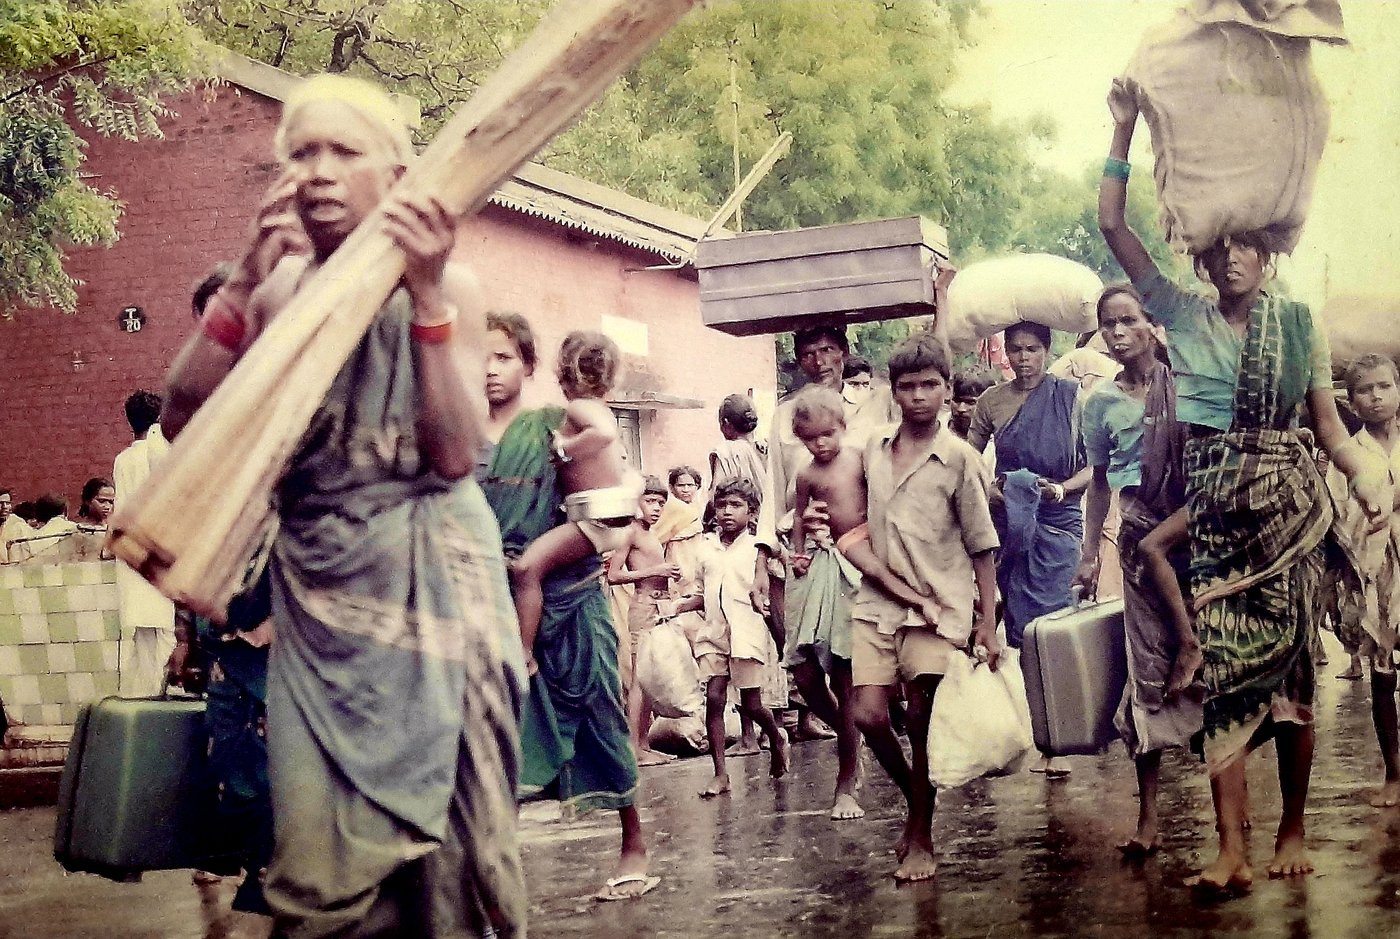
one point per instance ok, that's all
(1034, 421)
(1036, 504)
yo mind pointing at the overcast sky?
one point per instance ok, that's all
(1057, 57)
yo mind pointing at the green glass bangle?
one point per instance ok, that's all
(1117, 168)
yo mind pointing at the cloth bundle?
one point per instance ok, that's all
(667, 672)
(988, 296)
(1237, 117)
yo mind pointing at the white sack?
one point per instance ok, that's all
(1358, 324)
(667, 672)
(988, 296)
(981, 723)
(1238, 124)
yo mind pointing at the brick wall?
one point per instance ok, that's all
(189, 200)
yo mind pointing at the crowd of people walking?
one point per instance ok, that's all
(436, 602)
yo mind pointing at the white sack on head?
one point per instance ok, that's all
(1238, 124)
(988, 296)
(1358, 324)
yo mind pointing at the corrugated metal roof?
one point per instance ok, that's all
(607, 213)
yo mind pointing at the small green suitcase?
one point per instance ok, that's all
(134, 791)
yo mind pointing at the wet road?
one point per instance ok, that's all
(1019, 857)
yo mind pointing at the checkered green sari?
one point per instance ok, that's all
(1258, 514)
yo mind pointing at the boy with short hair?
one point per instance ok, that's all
(931, 525)
(733, 646)
(641, 561)
(836, 479)
(967, 388)
(1373, 387)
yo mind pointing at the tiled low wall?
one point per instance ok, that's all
(59, 626)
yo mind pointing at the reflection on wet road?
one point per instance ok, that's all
(1018, 857)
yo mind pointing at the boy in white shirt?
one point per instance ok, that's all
(734, 642)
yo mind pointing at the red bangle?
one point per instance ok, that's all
(224, 323)
(432, 335)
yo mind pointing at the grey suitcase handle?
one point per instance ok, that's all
(1077, 603)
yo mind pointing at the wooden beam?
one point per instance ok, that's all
(192, 528)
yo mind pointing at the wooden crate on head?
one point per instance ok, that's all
(772, 282)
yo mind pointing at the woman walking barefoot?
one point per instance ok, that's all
(1258, 511)
(1133, 444)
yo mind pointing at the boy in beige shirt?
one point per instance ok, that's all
(931, 525)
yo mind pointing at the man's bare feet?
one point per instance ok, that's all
(918, 865)
(778, 759)
(743, 748)
(1388, 795)
(717, 787)
(1290, 857)
(647, 757)
(1187, 663)
(1229, 876)
(846, 807)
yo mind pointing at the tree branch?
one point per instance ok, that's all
(77, 66)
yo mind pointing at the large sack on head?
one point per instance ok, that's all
(1302, 19)
(1238, 124)
(988, 296)
(1361, 323)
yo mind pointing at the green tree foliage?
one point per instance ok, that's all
(434, 50)
(113, 61)
(1063, 220)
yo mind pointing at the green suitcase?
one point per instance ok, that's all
(134, 790)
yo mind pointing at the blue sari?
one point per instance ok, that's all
(1041, 540)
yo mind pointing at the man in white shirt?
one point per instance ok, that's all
(12, 527)
(147, 617)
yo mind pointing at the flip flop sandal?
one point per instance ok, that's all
(648, 885)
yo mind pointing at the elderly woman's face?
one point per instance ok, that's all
(1026, 353)
(342, 169)
(1125, 328)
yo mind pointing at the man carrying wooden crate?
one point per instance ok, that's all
(395, 686)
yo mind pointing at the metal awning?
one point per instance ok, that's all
(653, 401)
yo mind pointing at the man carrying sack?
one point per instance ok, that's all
(395, 689)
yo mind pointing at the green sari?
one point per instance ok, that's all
(1258, 515)
(574, 736)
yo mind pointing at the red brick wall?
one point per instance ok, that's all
(189, 199)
